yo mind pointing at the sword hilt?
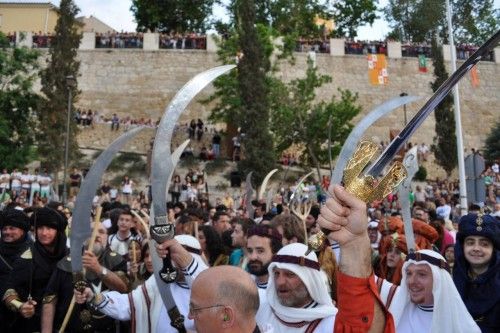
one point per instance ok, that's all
(79, 282)
(160, 232)
(176, 319)
(364, 187)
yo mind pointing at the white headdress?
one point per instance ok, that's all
(308, 269)
(449, 313)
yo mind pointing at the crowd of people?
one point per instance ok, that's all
(446, 282)
(199, 42)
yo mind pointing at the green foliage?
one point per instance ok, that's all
(18, 71)
(298, 119)
(228, 104)
(351, 14)
(492, 146)
(421, 174)
(292, 19)
(215, 166)
(253, 91)
(52, 111)
(133, 162)
(445, 141)
(411, 20)
(172, 16)
(474, 21)
(189, 162)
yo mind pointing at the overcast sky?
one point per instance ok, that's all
(117, 14)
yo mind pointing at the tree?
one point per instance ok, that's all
(412, 21)
(298, 120)
(492, 144)
(52, 111)
(172, 15)
(18, 71)
(445, 141)
(253, 90)
(349, 15)
(474, 21)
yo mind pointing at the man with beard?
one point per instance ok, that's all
(298, 299)
(105, 270)
(239, 237)
(14, 241)
(25, 286)
(263, 242)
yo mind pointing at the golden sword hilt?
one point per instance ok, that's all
(362, 186)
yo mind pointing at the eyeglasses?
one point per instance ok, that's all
(193, 311)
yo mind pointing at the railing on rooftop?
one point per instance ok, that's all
(188, 42)
(119, 41)
(365, 48)
(318, 46)
(156, 41)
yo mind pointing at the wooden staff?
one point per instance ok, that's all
(97, 221)
(134, 258)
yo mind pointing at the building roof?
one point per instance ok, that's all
(28, 3)
(93, 24)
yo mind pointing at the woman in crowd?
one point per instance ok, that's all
(212, 246)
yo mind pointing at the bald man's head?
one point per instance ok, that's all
(234, 294)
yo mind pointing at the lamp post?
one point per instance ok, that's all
(458, 121)
(70, 84)
(403, 94)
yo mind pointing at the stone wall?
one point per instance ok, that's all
(139, 84)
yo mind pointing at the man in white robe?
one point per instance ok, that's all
(298, 299)
(144, 306)
(427, 300)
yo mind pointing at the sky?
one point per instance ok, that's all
(117, 14)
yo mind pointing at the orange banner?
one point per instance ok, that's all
(474, 76)
(377, 69)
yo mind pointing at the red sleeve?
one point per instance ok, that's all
(356, 301)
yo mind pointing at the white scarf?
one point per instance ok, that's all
(315, 282)
(450, 313)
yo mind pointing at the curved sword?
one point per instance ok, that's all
(410, 162)
(297, 187)
(352, 140)
(162, 164)
(80, 228)
(177, 320)
(264, 184)
(161, 170)
(249, 194)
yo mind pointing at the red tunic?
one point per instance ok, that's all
(356, 303)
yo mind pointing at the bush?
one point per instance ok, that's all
(215, 166)
(421, 174)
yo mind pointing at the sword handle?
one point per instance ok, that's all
(168, 273)
(176, 319)
(160, 232)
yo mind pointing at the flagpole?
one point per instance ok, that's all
(458, 121)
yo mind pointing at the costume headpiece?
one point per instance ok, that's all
(479, 225)
(15, 218)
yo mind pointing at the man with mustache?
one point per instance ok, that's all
(105, 270)
(263, 242)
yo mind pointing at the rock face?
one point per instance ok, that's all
(139, 84)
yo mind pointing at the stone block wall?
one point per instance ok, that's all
(140, 84)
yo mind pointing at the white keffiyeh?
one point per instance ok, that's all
(315, 282)
(449, 314)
